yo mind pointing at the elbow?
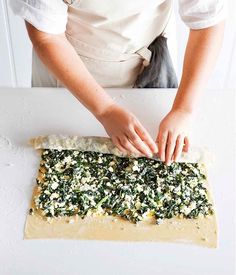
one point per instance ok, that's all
(39, 38)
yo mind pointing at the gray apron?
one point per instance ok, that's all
(160, 72)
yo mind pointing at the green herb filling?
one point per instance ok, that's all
(86, 183)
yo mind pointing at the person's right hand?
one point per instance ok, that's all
(126, 132)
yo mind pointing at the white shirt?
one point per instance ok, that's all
(112, 37)
(51, 16)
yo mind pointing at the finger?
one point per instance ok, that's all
(170, 147)
(117, 143)
(161, 141)
(139, 144)
(178, 147)
(124, 141)
(145, 136)
(186, 144)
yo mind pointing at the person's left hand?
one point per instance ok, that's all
(173, 135)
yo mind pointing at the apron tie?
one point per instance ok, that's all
(146, 54)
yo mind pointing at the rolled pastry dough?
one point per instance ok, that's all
(201, 231)
(105, 145)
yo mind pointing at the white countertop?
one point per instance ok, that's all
(25, 113)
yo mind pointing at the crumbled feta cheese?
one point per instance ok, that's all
(100, 160)
(88, 175)
(171, 187)
(54, 196)
(202, 192)
(177, 189)
(178, 201)
(68, 159)
(112, 163)
(111, 169)
(186, 210)
(139, 188)
(128, 198)
(83, 180)
(167, 196)
(54, 185)
(135, 168)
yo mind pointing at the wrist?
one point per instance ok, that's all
(184, 102)
(104, 110)
(182, 109)
(186, 98)
(100, 102)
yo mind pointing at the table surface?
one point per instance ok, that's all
(26, 113)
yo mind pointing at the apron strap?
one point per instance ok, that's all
(107, 55)
(146, 54)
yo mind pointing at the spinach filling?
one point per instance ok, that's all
(85, 183)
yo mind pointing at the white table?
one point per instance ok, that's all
(25, 113)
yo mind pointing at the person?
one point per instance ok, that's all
(88, 45)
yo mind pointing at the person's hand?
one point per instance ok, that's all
(173, 135)
(126, 132)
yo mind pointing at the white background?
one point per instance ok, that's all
(15, 50)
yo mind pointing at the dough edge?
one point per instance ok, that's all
(201, 232)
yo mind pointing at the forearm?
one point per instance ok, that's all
(200, 56)
(62, 60)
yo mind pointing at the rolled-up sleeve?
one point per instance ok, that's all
(49, 16)
(203, 13)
